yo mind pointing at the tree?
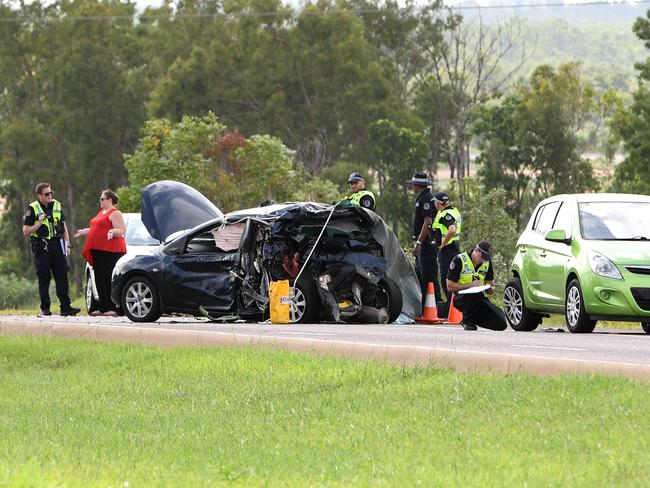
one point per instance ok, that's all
(554, 106)
(633, 174)
(399, 153)
(232, 171)
(72, 100)
(466, 70)
(528, 141)
(501, 161)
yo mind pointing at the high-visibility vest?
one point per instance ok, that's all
(56, 217)
(468, 273)
(356, 197)
(439, 225)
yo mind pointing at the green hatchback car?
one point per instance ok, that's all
(587, 256)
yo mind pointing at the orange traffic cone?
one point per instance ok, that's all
(455, 316)
(430, 312)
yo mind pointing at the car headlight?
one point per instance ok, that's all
(602, 266)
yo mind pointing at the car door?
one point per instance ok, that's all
(536, 252)
(202, 275)
(554, 257)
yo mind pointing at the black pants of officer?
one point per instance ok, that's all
(478, 310)
(445, 257)
(427, 270)
(103, 264)
(50, 261)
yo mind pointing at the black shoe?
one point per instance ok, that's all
(45, 313)
(70, 312)
(468, 326)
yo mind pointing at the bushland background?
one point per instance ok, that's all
(254, 99)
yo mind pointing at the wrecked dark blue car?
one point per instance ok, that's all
(343, 264)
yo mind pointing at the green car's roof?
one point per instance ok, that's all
(600, 197)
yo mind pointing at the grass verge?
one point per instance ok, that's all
(77, 413)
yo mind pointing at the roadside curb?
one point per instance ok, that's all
(465, 361)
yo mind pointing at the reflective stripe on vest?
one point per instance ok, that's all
(468, 274)
(437, 223)
(56, 216)
(356, 197)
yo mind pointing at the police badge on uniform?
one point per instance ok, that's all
(427, 206)
(28, 213)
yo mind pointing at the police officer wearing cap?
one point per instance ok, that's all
(360, 196)
(469, 270)
(44, 223)
(425, 251)
(446, 233)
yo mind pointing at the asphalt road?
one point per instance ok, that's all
(629, 347)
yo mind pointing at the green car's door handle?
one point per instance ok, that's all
(522, 250)
(543, 254)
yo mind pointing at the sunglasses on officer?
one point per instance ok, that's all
(48, 193)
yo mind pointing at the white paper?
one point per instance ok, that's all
(474, 289)
(65, 245)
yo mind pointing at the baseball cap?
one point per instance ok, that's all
(441, 197)
(354, 177)
(485, 248)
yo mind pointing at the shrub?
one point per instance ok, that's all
(17, 292)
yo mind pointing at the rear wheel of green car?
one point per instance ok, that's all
(646, 327)
(517, 315)
(577, 319)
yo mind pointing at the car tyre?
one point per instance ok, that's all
(646, 327)
(577, 319)
(305, 302)
(518, 316)
(91, 303)
(390, 298)
(140, 300)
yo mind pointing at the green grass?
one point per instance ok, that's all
(75, 413)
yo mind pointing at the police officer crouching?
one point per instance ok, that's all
(44, 223)
(360, 196)
(469, 270)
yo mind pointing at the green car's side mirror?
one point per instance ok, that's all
(557, 235)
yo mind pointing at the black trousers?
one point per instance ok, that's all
(427, 270)
(478, 310)
(50, 261)
(103, 264)
(445, 257)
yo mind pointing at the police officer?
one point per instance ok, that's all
(44, 223)
(469, 271)
(425, 252)
(360, 196)
(446, 233)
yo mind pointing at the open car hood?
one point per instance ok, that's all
(169, 206)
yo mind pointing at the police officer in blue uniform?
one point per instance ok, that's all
(44, 223)
(424, 250)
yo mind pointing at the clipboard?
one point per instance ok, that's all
(475, 289)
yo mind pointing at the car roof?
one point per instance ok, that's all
(598, 197)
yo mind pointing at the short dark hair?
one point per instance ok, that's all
(40, 187)
(110, 194)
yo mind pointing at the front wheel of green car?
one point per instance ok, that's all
(646, 327)
(577, 320)
(517, 315)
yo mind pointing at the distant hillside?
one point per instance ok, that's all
(608, 51)
(575, 14)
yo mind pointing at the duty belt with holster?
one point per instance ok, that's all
(38, 244)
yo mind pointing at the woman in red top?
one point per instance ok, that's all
(104, 245)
